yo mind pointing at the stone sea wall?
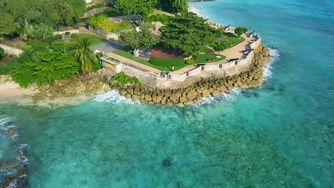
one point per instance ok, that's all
(204, 87)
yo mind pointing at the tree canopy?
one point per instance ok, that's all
(18, 15)
(240, 30)
(173, 6)
(188, 34)
(141, 39)
(135, 7)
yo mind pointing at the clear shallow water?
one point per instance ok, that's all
(280, 135)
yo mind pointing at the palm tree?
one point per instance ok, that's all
(84, 55)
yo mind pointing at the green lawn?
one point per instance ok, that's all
(129, 55)
(92, 38)
(208, 58)
(227, 41)
(170, 64)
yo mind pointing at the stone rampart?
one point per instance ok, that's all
(185, 79)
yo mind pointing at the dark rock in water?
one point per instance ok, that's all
(167, 163)
(246, 94)
(256, 94)
(11, 132)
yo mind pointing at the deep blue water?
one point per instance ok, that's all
(280, 135)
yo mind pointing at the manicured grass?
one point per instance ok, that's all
(208, 58)
(129, 55)
(92, 38)
(227, 41)
(171, 63)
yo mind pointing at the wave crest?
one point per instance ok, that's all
(113, 97)
(267, 72)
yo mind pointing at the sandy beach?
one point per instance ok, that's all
(11, 90)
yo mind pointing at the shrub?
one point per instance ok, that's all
(158, 18)
(121, 79)
(102, 22)
(227, 42)
(190, 61)
(240, 30)
(2, 53)
(44, 64)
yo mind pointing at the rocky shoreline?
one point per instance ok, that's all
(16, 169)
(83, 88)
(203, 88)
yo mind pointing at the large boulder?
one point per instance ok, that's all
(206, 93)
(191, 95)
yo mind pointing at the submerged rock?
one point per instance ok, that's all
(167, 163)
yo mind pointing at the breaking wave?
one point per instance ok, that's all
(113, 97)
(227, 97)
(267, 72)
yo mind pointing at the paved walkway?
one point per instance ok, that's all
(236, 51)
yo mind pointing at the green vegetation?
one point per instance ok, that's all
(2, 53)
(227, 41)
(44, 63)
(52, 59)
(92, 38)
(240, 30)
(173, 6)
(170, 64)
(129, 55)
(208, 58)
(98, 5)
(135, 7)
(84, 55)
(19, 17)
(102, 22)
(123, 80)
(140, 40)
(111, 12)
(158, 18)
(188, 34)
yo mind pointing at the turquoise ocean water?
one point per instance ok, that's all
(280, 135)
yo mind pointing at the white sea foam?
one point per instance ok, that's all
(113, 97)
(267, 72)
(227, 97)
(197, 11)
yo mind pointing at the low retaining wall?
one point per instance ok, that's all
(103, 34)
(70, 31)
(11, 50)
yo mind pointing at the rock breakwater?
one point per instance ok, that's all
(210, 87)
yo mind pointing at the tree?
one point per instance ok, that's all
(137, 7)
(140, 39)
(19, 15)
(43, 64)
(240, 30)
(84, 55)
(2, 53)
(173, 6)
(188, 34)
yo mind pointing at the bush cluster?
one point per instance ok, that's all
(102, 22)
(122, 79)
(2, 53)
